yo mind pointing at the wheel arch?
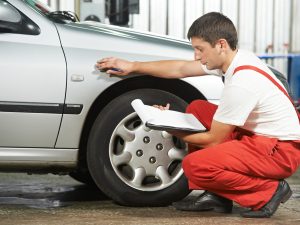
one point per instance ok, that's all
(175, 86)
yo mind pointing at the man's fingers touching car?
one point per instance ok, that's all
(112, 65)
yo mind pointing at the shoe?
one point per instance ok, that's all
(282, 194)
(205, 202)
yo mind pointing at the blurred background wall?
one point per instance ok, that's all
(264, 26)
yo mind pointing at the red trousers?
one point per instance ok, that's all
(245, 168)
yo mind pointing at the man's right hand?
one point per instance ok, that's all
(115, 66)
(162, 68)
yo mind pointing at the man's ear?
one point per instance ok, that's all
(223, 43)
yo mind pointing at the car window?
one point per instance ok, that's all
(14, 21)
(55, 16)
(9, 13)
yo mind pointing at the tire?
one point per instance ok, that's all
(119, 159)
(83, 176)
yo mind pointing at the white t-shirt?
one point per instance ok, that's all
(251, 101)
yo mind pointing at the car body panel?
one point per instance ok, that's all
(24, 59)
(38, 158)
(85, 43)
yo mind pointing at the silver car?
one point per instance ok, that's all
(60, 115)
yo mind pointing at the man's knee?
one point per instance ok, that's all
(186, 166)
(197, 165)
(203, 111)
(192, 165)
(195, 105)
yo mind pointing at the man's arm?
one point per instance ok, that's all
(163, 69)
(218, 133)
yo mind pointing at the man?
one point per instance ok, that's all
(251, 143)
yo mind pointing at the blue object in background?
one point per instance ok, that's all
(294, 75)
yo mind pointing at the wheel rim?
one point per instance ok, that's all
(145, 159)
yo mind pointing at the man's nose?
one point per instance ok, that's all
(197, 56)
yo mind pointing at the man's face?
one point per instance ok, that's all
(208, 55)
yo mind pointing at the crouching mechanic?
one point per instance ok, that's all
(252, 139)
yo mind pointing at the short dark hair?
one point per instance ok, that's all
(213, 26)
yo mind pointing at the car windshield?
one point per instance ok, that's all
(39, 6)
(55, 16)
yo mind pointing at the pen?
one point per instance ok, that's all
(116, 69)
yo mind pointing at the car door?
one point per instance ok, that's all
(32, 77)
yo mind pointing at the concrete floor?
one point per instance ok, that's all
(49, 199)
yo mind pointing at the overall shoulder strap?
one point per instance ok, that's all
(250, 67)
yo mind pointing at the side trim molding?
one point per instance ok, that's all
(28, 107)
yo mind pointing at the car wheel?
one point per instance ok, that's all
(132, 164)
(82, 176)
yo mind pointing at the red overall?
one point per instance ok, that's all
(245, 168)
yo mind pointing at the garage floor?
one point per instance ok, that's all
(49, 199)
